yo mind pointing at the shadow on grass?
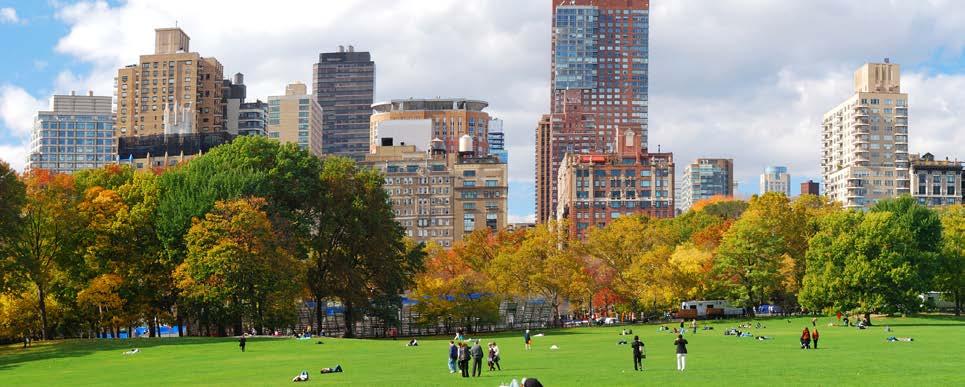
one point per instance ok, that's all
(12, 356)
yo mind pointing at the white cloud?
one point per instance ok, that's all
(15, 155)
(17, 111)
(742, 79)
(531, 218)
(9, 15)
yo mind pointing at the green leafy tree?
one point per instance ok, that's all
(12, 198)
(951, 274)
(874, 262)
(358, 252)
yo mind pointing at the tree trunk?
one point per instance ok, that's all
(349, 318)
(222, 330)
(867, 318)
(43, 311)
(958, 303)
(180, 321)
(151, 328)
(318, 315)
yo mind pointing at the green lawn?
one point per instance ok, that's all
(586, 357)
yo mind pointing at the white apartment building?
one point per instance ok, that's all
(865, 140)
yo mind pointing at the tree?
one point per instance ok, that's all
(451, 290)
(754, 250)
(102, 300)
(874, 262)
(552, 271)
(951, 274)
(235, 265)
(357, 251)
(48, 235)
(12, 198)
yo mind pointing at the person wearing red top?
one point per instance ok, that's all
(806, 339)
(814, 338)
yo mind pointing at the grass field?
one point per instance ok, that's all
(586, 357)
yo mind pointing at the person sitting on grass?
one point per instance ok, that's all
(413, 343)
(338, 368)
(302, 377)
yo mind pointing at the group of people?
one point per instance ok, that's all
(460, 354)
(808, 337)
(639, 352)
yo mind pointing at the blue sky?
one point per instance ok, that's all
(731, 78)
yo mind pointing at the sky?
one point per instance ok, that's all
(743, 79)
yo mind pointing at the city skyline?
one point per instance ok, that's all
(759, 86)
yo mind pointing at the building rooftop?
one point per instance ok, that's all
(414, 104)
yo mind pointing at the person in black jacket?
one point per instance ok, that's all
(681, 344)
(638, 355)
(242, 341)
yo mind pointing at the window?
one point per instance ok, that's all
(468, 222)
(469, 173)
(469, 183)
(491, 183)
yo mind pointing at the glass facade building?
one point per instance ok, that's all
(497, 140)
(599, 74)
(344, 86)
(77, 133)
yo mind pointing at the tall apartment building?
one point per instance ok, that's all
(810, 188)
(172, 90)
(776, 179)
(76, 133)
(936, 182)
(241, 117)
(599, 60)
(595, 189)
(442, 196)
(706, 178)
(344, 86)
(865, 140)
(497, 140)
(296, 118)
(447, 119)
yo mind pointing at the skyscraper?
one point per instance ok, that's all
(598, 86)
(345, 89)
(776, 179)
(865, 140)
(76, 133)
(706, 178)
(172, 90)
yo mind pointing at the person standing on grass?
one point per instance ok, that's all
(805, 339)
(477, 354)
(496, 356)
(681, 344)
(814, 338)
(638, 355)
(453, 356)
(241, 342)
(528, 339)
(464, 359)
(814, 322)
(693, 324)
